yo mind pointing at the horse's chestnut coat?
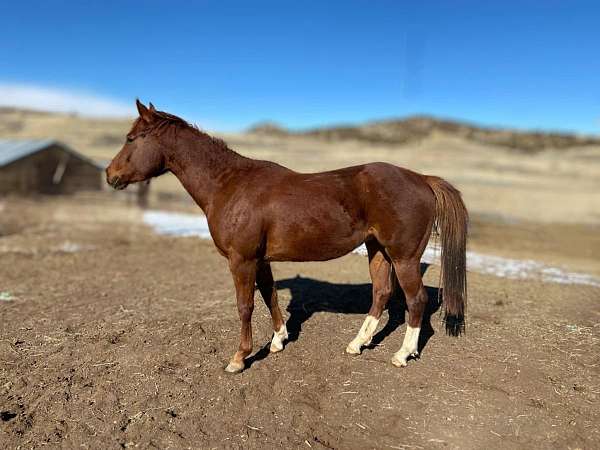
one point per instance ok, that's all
(259, 212)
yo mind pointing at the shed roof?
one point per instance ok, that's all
(12, 150)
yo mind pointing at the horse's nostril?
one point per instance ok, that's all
(114, 181)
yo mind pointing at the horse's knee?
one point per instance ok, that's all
(381, 295)
(382, 292)
(245, 312)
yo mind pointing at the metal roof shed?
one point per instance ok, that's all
(46, 166)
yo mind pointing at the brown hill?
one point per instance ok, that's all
(268, 129)
(416, 128)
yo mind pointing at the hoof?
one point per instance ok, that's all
(234, 367)
(276, 346)
(399, 359)
(352, 349)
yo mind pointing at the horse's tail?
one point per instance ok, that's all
(451, 222)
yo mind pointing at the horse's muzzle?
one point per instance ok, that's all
(116, 183)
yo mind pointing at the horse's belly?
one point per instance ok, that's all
(305, 250)
(306, 241)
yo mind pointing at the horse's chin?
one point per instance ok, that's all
(162, 172)
(119, 185)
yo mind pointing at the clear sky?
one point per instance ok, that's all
(229, 64)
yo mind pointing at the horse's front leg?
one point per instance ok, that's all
(244, 277)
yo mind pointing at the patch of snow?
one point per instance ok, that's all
(72, 247)
(6, 296)
(178, 224)
(68, 247)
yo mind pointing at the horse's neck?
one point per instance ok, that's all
(203, 167)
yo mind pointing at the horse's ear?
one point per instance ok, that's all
(151, 107)
(145, 113)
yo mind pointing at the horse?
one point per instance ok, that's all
(260, 212)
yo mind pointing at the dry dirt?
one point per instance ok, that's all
(113, 337)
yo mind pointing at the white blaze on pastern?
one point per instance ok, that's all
(410, 347)
(279, 337)
(364, 336)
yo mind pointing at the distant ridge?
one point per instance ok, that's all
(25, 111)
(416, 128)
(269, 128)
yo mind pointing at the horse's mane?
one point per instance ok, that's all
(165, 121)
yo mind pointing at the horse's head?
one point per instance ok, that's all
(141, 157)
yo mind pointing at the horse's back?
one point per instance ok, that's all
(314, 216)
(325, 215)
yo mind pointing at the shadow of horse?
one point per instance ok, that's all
(310, 296)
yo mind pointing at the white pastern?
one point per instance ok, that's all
(364, 336)
(279, 337)
(410, 347)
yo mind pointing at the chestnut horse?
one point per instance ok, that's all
(259, 212)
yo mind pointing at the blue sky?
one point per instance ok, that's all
(227, 65)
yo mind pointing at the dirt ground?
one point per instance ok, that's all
(113, 337)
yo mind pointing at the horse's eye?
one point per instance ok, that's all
(129, 139)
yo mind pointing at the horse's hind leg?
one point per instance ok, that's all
(266, 286)
(380, 269)
(409, 278)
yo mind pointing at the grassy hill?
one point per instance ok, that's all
(416, 128)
